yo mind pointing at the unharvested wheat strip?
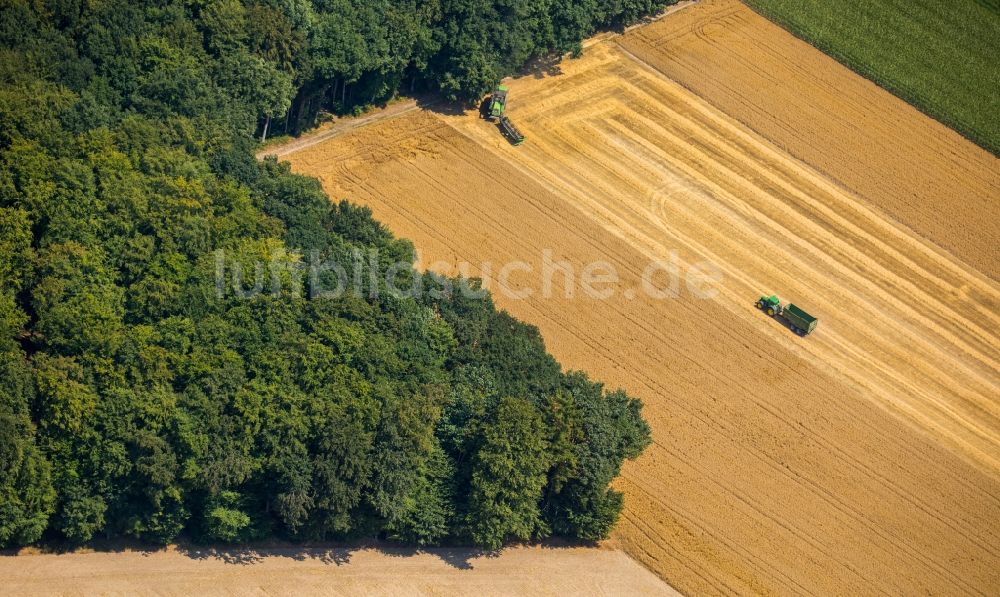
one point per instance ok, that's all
(702, 573)
(848, 128)
(690, 522)
(765, 151)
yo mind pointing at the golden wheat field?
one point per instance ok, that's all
(861, 459)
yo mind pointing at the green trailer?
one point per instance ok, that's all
(801, 322)
(798, 320)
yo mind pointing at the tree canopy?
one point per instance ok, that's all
(141, 398)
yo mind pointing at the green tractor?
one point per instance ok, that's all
(798, 320)
(769, 304)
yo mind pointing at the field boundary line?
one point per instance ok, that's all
(341, 126)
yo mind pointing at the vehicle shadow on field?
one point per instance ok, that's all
(461, 558)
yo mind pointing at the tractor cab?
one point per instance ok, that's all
(770, 304)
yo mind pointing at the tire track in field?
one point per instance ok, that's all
(988, 388)
(442, 192)
(593, 344)
(579, 335)
(587, 144)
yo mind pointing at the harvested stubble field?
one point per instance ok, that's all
(863, 459)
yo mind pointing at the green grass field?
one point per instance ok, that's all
(942, 56)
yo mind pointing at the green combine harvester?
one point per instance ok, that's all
(498, 101)
(494, 109)
(801, 322)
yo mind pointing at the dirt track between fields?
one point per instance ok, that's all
(863, 459)
(518, 571)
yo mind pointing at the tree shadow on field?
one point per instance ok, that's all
(439, 105)
(464, 557)
(458, 557)
(46, 547)
(542, 66)
(337, 555)
(253, 554)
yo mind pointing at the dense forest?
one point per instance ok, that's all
(139, 398)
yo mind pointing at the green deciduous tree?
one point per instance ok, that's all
(27, 498)
(508, 476)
